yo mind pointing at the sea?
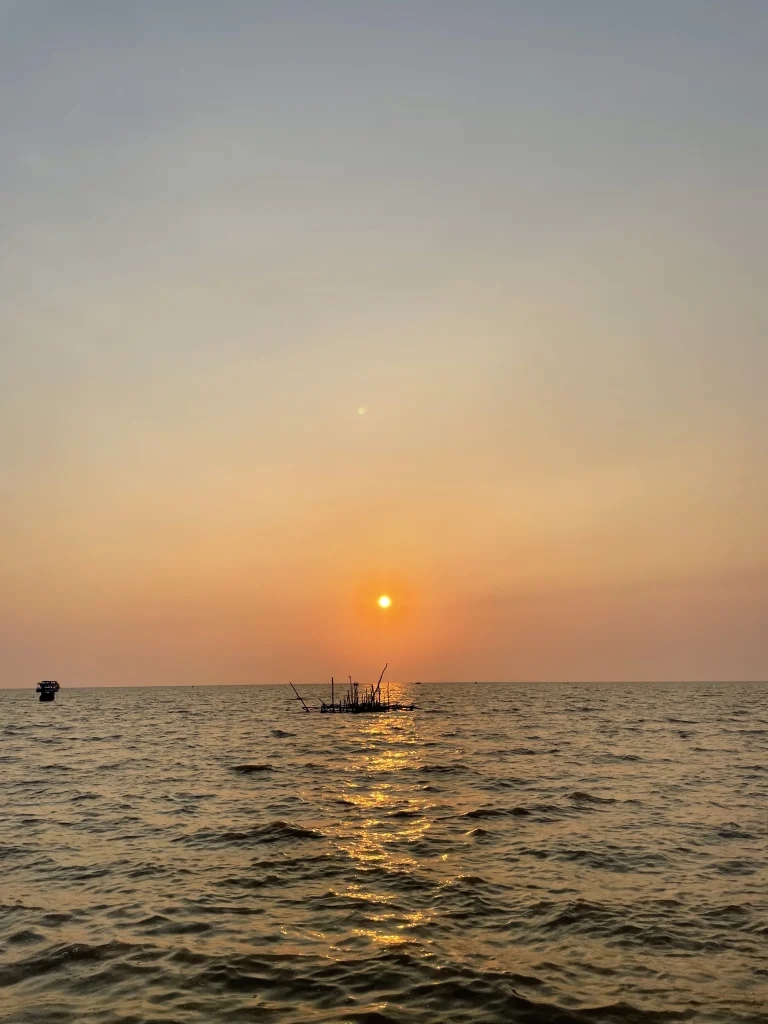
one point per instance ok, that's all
(538, 853)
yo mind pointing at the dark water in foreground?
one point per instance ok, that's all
(566, 853)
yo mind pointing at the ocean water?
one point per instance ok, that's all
(534, 853)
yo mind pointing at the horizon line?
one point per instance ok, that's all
(419, 682)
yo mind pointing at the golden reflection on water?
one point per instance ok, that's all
(393, 817)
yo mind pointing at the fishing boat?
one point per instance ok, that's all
(357, 701)
(47, 688)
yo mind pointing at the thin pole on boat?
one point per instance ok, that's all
(378, 685)
(331, 691)
(298, 696)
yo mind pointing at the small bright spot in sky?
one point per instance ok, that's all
(361, 410)
(384, 601)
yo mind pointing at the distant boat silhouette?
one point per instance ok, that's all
(47, 688)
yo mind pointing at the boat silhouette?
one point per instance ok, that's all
(47, 688)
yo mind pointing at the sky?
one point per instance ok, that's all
(304, 303)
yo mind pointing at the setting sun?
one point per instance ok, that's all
(384, 601)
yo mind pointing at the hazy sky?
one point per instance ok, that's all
(529, 240)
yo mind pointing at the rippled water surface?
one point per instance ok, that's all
(551, 853)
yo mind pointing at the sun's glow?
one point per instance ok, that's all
(384, 601)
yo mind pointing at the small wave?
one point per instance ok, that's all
(281, 734)
(738, 866)
(159, 924)
(55, 919)
(577, 915)
(66, 956)
(273, 832)
(10, 852)
(621, 861)
(464, 880)
(251, 769)
(249, 882)
(371, 1017)
(509, 783)
(27, 937)
(733, 913)
(497, 812)
(579, 796)
(733, 831)
(485, 812)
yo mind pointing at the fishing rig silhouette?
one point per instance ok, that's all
(355, 701)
